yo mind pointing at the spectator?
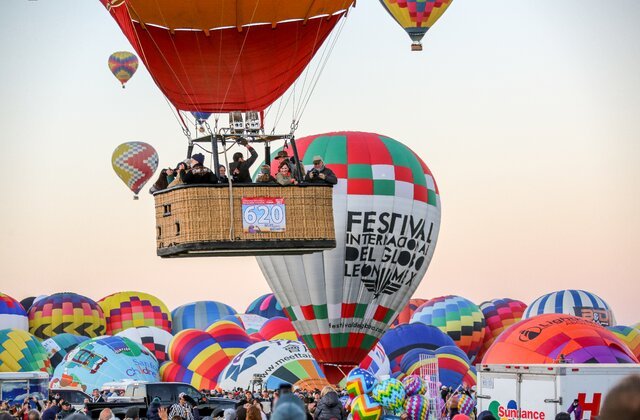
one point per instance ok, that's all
(181, 169)
(222, 175)
(154, 407)
(486, 415)
(576, 409)
(133, 413)
(623, 401)
(284, 177)
(320, 174)
(199, 173)
(181, 408)
(107, 414)
(329, 406)
(289, 407)
(230, 414)
(239, 168)
(253, 413)
(161, 183)
(51, 412)
(66, 410)
(563, 416)
(265, 176)
(95, 396)
(34, 415)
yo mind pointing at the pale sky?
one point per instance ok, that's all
(527, 113)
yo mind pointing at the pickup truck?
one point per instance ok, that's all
(140, 394)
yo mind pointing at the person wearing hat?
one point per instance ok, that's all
(320, 174)
(133, 413)
(239, 168)
(66, 411)
(265, 176)
(199, 174)
(181, 408)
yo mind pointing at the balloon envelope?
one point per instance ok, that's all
(404, 317)
(66, 313)
(549, 338)
(124, 310)
(498, 315)
(460, 318)
(278, 328)
(266, 306)
(134, 163)
(277, 362)
(376, 361)
(123, 65)
(153, 339)
(12, 314)
(199, 315)
(58, 346)
(416, 16)
(628, 335)
(22, 352)
(232, 56)
(105, 359)
(386, 210)
(573, 302)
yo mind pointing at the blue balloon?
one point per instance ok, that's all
(199, 315)
(573, 302)
(201, 117)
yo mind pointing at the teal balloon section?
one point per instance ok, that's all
(58, 346)
(105, 359)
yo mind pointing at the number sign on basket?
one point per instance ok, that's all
(263, 214)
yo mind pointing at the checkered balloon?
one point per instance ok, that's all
(417, 407)
(363, 407)
(135, 162)
(466, 404)
(390, 393)
(413, 385)
(360, 381)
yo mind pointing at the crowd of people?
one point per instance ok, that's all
(193, 171)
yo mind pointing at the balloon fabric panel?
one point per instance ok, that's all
(573, 302)
(22, 352)
(134, 163)
(12, 314)
(628, 335)
(134, 309)
(123, 65)
(416, 16)
(66, 313)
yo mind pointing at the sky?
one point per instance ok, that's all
(525, 111)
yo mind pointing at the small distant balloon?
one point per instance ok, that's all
(135, 162)
(123, 65)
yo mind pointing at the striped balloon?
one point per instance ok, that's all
(578, 303)
(199, 315)
(499, 314)
(134, 163)
(363, 407)
(266, 306)
(278, 328)
(458, 317)
(123, 65)
(628, 335)
(12, 314)
(66, 313)
(231, 337)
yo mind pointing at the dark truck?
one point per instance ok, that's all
(140, 394)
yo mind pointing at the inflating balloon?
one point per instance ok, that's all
(123, 65)
(416, 17)
(363, 407)
(266, 306)
(387, 206)
(191, 55)
(231, 337)
(66, 313)
(105, 359)
(376, 362)
(278, 328)
(498, 315)
(555, 337)
(134, 163)
(413, 385)
(579, 303)
(404, 317)
(417, 407)
(154, 339)
(57, 347)
(124, 310)
(199, 315)
(390, 393)
(201, 117)
(466, 404)
(360, 381)
(456, 316)
(250, 322)
(628, 335)
(277, 362)
(22, 352)
(12, 314)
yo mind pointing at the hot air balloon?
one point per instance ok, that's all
(154, 339)
(22, 352)
(278, 328)
(250, 322)
(416, 17)
(134, 163)
(124, 310)
(376, 361)
(58, 346)
(399, 341)
(234, 56)
(123, 65)
(573, 302)
(12, 314)
(404, 317)
(266, 306)
(277, 362)
(628, 335)
(551, 338)
(199, 315)
(231, 337)
(364, 407)
(387, 205)
(66, 313)
(498, 315)
(460, 318)
(105, 359)
(196, 358)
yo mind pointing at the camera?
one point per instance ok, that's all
(315, 173)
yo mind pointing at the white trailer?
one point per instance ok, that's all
(539, 392)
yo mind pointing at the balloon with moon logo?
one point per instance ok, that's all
(386, 206)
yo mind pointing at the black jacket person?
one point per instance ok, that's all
(239, 168)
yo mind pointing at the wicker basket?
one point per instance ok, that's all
(196, 220)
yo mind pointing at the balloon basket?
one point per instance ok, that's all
(416, 46)
(135, 197)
